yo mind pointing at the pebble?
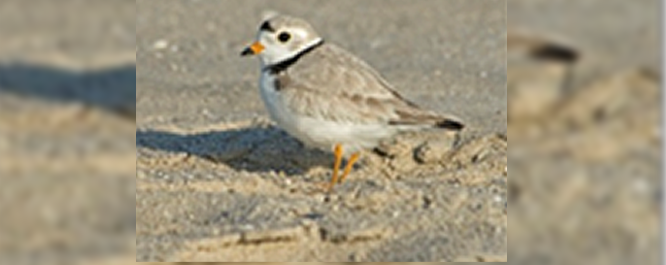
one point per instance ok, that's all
(433, 150)
(160, 44)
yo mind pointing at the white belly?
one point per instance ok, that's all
(317, 132)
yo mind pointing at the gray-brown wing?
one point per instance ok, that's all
(333, 84)
(310, 101)
(336, 71)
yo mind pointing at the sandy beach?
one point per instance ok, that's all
(217, 181)
(214, 180)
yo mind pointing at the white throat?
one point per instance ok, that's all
(280, 54)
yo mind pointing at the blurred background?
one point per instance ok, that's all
(584, 82)
(585, 129)
(67, 151)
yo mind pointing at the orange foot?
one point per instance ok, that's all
(337, 151)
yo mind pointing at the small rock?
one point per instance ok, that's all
(160, 44)
(393, 148)
(403, 163)
(434, 150)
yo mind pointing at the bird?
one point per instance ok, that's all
(328, 98)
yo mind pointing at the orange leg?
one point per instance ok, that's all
(337, 151)
(349, 166)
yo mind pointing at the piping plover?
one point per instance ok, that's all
(328, 98)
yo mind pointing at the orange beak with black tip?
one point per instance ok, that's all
(254, 49)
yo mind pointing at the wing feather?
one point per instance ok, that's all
(333, 84)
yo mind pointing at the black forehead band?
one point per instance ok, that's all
(266, 27)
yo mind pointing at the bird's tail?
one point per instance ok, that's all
(418, 117)
(450, 124)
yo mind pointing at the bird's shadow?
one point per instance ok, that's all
(112, 89)
(252, 149)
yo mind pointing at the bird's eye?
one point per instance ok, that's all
(284, 37)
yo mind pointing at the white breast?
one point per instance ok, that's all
(273, 101)
(277, 108)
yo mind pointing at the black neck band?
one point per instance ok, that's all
(283, 65)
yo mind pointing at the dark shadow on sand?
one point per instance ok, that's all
(253, 149)
(111, 89)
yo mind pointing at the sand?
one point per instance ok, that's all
(208, 183)
(217, 181)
